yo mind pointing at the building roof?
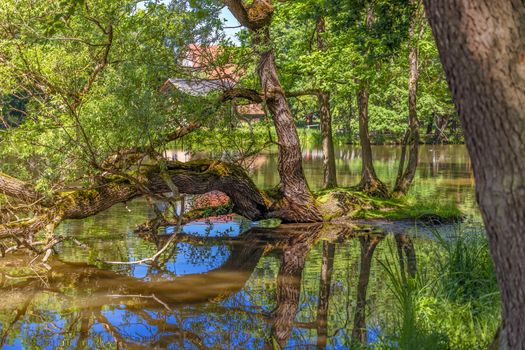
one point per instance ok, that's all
(196, 87)
(203, 59)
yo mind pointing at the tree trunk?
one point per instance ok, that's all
(329, 171)
(406, 175)
(299, 203)
(483, 53)
(439, 133)
(195, 177)
(370, 183)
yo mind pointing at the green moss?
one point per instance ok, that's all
(351, 204)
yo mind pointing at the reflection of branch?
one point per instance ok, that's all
(19, 313)
(114, 332)
(192, 337)
(152, 296)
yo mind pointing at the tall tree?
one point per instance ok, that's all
(411, 140)
(370, 182)
(375, 29)
(299, 202)
(329, 172)
(483, 54)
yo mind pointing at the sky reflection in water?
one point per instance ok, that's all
(318, 286)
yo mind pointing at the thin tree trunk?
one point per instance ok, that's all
(406, 175)
(370, 183)
(483, 53)
(329, 170)
(439, 133)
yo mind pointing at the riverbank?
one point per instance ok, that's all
(347, 204)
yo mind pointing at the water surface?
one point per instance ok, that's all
(230, 283)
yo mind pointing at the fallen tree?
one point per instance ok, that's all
(195, 177)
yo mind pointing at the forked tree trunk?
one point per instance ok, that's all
(370, 183)
(329, 170)
(482, 49)
(299, 203)
(406, 175)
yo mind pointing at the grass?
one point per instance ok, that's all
(454, 307)
(362, 206)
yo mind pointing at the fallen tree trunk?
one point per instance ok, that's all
(195, 177)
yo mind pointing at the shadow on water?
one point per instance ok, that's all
(314, 285)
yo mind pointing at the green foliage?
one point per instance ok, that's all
(87, 74)
(357, 51)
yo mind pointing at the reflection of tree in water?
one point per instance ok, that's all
(185, 311)
(122, 302)
(368, 245)
(407, 256)
(325, 282)
(289, 282)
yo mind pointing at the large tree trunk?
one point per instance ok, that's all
(406, 175)
(299, 203)
(329, 171)
(195, 177)
(370, 183)
(483, 53)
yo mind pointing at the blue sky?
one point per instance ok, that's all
(230, 22)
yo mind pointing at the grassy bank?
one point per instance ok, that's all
(453, 300)
(351, 204)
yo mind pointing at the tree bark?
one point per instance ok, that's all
(299, 203)
(370, 183)
(329, 170)
(483, 53)
(406, 175)
(195, 177)
(12, 187)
